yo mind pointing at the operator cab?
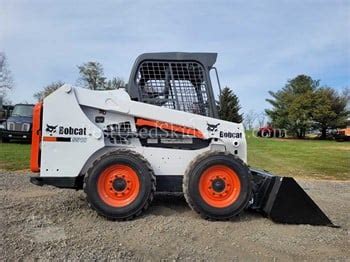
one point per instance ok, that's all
(179, 81)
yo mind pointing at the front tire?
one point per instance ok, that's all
(217, 185)
(120, 185)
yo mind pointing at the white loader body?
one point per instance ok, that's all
(73, 135)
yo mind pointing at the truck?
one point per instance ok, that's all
(343, 135)
(18, 125)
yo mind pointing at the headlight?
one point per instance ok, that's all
(26, 127)
(10, 126)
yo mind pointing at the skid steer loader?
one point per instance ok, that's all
(162, 134)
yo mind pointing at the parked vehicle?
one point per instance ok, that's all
(343, 135)
(19, 125)
(269, 131)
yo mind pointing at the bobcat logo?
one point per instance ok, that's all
(212, 128)
(51, 129)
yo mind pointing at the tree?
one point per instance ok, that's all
(292, 106)
(330, 110)
(249, 119)
(115, 83)
(92, 76)
(48, 90)
(6, 80)
(302, 104)
(261, 119)
(346, 95)
(229, 106)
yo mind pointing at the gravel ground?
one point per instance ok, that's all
(48, 223)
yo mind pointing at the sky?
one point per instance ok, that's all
(260, 44)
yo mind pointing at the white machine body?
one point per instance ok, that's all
(76, 126)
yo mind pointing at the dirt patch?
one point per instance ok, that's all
(50, 223)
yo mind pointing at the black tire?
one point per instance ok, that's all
(191, 185)
(266, 134)
(283, 134)
(146, 180)
(276, 133)
(5, 140)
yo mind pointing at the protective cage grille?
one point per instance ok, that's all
(176, 85)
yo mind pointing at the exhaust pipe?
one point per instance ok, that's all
(283, 200)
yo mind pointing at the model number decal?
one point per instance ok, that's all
(79, 139)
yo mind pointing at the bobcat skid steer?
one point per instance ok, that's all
(161, 135)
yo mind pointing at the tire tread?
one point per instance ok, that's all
(185, 187)
(150, 170)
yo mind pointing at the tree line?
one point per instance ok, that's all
(301, 105)
(91, 76)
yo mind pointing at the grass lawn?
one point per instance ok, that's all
(303, 158)
(287, 157)
(14, 156)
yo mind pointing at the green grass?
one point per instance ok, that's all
(287, 157)
(302, 158)
(14, 157)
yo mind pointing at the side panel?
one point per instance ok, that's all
(169, 162)
(228, 133)
(164, 161)
(69, 137)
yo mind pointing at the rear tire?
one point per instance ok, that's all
(217, 185)
(120, 185)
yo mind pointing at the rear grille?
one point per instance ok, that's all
(12, 126)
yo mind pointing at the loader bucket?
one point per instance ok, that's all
(284, 201)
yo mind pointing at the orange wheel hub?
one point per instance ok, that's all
(118, 185)
(219, 186)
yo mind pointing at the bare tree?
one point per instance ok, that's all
(48, 90)
(346, 94)
(261, 119)
(6, 80)
(92, 77)
(249, 119)
(115, 83)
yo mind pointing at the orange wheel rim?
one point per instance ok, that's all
(219, 186)
(118, 185)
